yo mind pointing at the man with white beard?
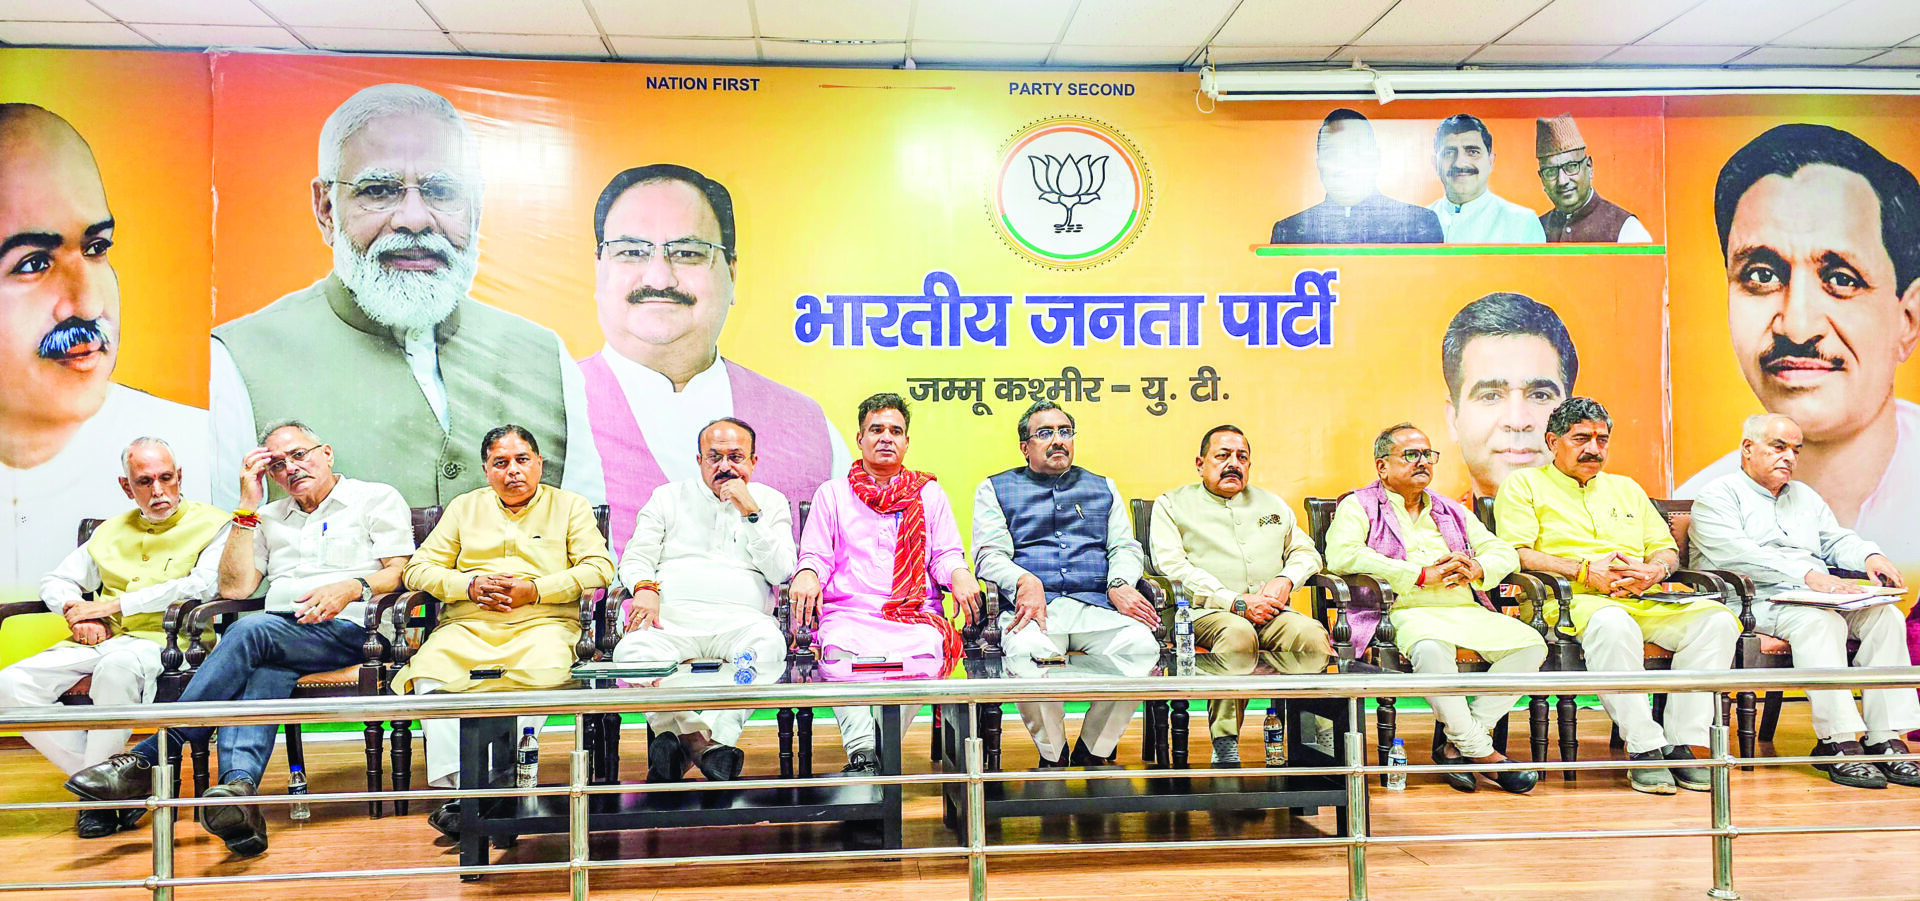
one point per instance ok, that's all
(387, 354)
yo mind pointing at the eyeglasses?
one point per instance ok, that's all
(295, 456)
(1567, 169)
(1064, 433)
(685, 253)
(736, 458)
(380, 195)
(1416, 456)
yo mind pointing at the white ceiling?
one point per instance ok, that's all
(1147, 34)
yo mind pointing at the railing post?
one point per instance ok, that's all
(1356, 801)
(976, 807)
(1722, 812)
(162, 820)
(578, 770)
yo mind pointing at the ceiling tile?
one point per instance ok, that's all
(644, 48)
(996, 21)
(1901, 58)
(1228, 56)
(1555, 55)
(51, 11)
(1415, 22)
(1293, 23)
(707, 19)
(386, 14)
(198, 12)
(1719, 22)
(85, 34)
(1146, 23)
(533, 44)
(1656, 55)
(1438, 54)
(377, 40)
(1594, 22)
(1862, 23)
(833, 20)
(978, 53)
(222, 36)
(513, 16)
(887, 53)
(1805, 56)
(1160, 55)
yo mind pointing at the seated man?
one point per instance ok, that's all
(136, 565)
(1439, 560)
(702, 563)
(1240, 554)
(1602, 533)
(1762, 524)
(1056, 539)
(877, 548)
(509, 562)
(324, 550)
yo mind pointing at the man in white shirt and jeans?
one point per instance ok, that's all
(702, 563)
(1762, 524)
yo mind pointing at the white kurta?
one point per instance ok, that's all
(1488, 219)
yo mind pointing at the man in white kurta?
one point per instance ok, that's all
(1762, 524)
(1393, 530)
(703, 562)
(1469, 212)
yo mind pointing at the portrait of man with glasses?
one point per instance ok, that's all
(666, 257)
(1579, 213)
(388, 353)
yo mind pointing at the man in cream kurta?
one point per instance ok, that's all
(1240, 553)
(509, 562)
(1392, 530)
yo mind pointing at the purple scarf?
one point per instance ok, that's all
(1383, 535)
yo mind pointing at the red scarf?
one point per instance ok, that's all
(908, 598)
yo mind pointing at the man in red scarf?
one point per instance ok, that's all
(877, 548)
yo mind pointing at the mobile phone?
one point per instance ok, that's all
(706, 665)
(1051, 660)
(645, 669)
(876, 664)
(486, 672)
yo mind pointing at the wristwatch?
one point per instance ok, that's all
(754, 516)
(1240, 606)
(1116, 582)
(366, 589)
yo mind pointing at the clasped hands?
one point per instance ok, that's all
(1269, 601)
(1455, 569)
(501, 592)
(1617, 576)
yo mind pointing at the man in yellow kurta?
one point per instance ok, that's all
(136, 565)
(510, 562)
(1602, 533)
(1439, 561)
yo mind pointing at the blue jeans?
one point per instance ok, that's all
(259, 658)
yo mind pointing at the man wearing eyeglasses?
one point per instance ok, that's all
(324, 550)
(1057, 541)
(1579, 213)
(1440, 562)
(705, 556)
(388, 354)
(666, 260)
(1240, 553)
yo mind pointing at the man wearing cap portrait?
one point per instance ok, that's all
(1579, 213)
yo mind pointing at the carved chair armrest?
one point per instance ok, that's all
(1535, 591)
(606, 624)
(1562, 592)
(404, 618)
(1331, 589)
(197, 618)
(1164, 595)
(1742, 588)
(593, 605)
(799, 637)
(21, 608)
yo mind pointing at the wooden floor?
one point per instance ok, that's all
(43, 846)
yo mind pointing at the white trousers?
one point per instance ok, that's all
(1074, 626)
(1469, 725)
(724, 631)
(124, 670)
(1615, 642)
(443, 740)
(1819, 640)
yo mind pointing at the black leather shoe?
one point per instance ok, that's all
(1517, 782)
(97, 823)
(121, 777)
(862, 763)
(1080, 756)
(722, 763)
(1691, 778)
(1850, 769)
(1898, 772)
(241, 826)
(130, 817)
(1047, 763)
(667, 758)
(1459, 780)
(445, 819)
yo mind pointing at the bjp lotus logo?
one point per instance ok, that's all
(1069, 183)
(1070, 193)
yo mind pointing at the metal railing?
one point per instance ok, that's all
(1353, 688)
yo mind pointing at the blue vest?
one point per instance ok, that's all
(1059, 529)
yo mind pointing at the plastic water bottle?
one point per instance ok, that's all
(1275, 731)
(1183, 636)
(297, 785)
(527, 760)
(1397, 780)
(743, 668)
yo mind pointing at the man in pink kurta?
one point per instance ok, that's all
(878, 546)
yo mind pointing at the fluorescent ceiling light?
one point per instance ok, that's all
(1361, 83)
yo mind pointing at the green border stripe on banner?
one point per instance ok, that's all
(1474, 250)
(1008, 222)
